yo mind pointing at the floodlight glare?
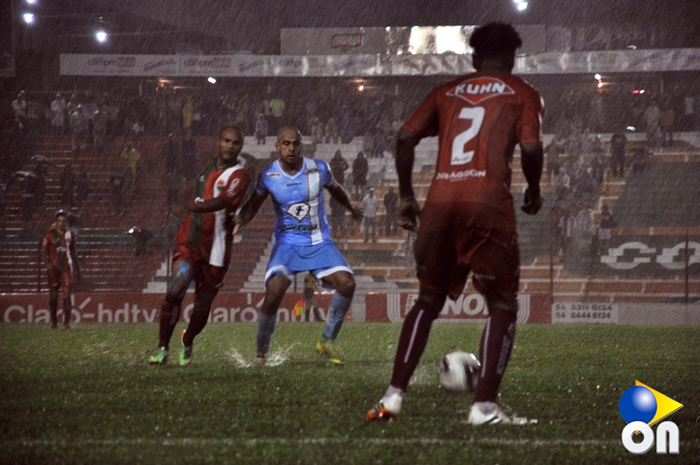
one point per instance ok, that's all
(28, 18)
(101, 36)
(598, 77)
(211, 80)
(31, 2)
(522, 6)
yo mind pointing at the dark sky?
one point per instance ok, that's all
(255, 24)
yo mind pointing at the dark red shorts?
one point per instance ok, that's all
(204, 274)
(63, 279)
(456, 239)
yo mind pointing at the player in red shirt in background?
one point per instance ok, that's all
(468, 221)
(203, 248)
(61, 260)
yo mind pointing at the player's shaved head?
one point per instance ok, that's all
(495, 39)
(231, 128)
(288, 130)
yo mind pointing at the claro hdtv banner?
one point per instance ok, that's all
(244, 307)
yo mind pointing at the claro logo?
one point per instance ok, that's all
(209, 62)
(118, 61)
(632, 254)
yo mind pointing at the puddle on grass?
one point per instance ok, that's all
(274, 358)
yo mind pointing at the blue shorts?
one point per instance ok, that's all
(321, 260)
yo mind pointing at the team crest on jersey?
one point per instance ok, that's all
(476, 90)
(298, 210)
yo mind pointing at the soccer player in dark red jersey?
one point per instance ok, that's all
(468, 221)
(61, 260)
(203, 248)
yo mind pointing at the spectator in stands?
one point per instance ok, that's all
(188, 114)
(581, 234)
(370, 204)
(607, 223)
(339, 166)
(19, 108)
(116, 184)
(59, 254)
(639, 159)
(317, 129)
(99, 128)
(562, 183)
(27, 189)
(41, 172)
(379, 142)
(142, 236)
(557, 222)
(79, 126)
(618, 144)
(66, 184)
(553, 151)
(188, 161)
(331, 131)
(408, 254)
(82, 188)
(277, 113)
(58, 113)
(585, 183)
(172, 185)
(391, 206)
(652, 115)
(666, 124)
(261, 129)
(368, 142)
(310, 304)
(360, 170)
(337, 218)
(170, 154)
(131, 157)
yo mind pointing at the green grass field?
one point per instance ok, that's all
(88, 396)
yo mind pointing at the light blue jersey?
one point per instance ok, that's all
(298, 201)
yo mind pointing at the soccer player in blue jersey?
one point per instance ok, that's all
(302, 239)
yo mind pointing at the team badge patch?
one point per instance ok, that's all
(476, 90)
(298, 210)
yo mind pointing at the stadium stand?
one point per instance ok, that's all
(640, 202)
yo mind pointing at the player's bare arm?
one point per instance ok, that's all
(341, 195)
(199, 205)
(532, 160)
(249, 210)
(405, 156)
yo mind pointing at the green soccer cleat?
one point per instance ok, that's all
(185, 358)
(332, 351)
(159, 356)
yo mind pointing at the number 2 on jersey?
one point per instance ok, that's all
(476, 116)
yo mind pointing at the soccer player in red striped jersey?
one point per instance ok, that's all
(61, 260)
(468, 221)
(203, 248)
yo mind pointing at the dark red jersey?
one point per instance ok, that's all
(58, 250)
(479, 119)
(208, 235)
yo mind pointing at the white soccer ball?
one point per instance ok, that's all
(459, 372)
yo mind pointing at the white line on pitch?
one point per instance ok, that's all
(316, 441)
